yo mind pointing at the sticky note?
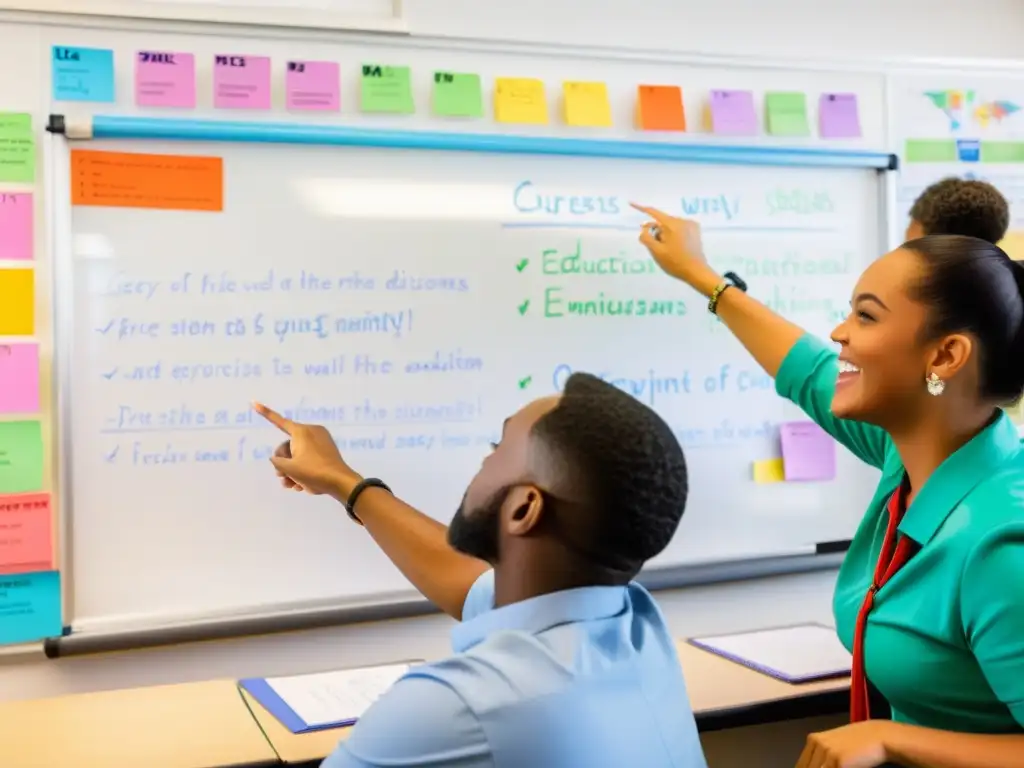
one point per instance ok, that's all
(19, 378)
(135, 180)
(26, 533)
(732, 113)
(21, 457)
(312, 86)
(520, 100)
(82, 74)
(17, 155)
(660, 108)
(16, 221)
(930, 151)
(165, 79)
(1013, 244)
(16, 122)
(241, 82)
(1002, 151)
(386, 89)
(838, 116)
(29, 607)
(586, 105)
(786, 114)
(768, 471)
(17, 302)
(808, 451)
(457, 94)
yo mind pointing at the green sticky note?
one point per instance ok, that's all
(17, 148)
(930, 151)
(16, 122)
(386, 89)
(458, 94)
(1002, 151)
(21, 456)
(786, 114)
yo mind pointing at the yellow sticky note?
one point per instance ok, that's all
(520, 100)
(1013, 244)
(769, 471)
(17, 302)
(586, 105)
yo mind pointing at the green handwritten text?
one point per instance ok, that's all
(556, 304)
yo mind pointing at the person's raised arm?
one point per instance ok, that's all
(417, 544)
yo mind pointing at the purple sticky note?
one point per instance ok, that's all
(16, 226)
(808, 451)
(165, 79)
(19, 378)
(733, 113)
(241, 82)
(838, 117)
(312, 85)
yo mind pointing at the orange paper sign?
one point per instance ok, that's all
(26, 533)
(660, 108)
(130, 180)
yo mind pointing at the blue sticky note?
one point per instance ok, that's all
(82, 74)
(29, 607)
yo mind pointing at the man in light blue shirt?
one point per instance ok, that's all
(560, 659)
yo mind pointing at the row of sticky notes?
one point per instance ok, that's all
(17, 149)
(165, 79)
(808, 454)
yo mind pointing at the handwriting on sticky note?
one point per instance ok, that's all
(21, 457)
(82, 74)
(16, 122)
(808, 451)
(457, 94)
(165, 79)
(26, 533)
(586, 105)
(132, 180)
(16, 223)
(786, 114)
(241, 82)
(732, 113)
(386, 89)
(29, 607)
(520, 100)
(768, 471)
(660, 108)
(838, 116)
(19, 378)
(17, 302)
(17, 156)
(312, 86)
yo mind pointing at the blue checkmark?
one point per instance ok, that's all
(109, 376)
(106, 327)
(112, 455)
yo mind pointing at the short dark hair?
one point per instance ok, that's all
(971, 285)
(962, 207)
(624, 462)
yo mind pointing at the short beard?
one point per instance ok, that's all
(475, 532)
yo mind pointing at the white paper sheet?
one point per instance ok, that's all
(326, 698)
(802, 652)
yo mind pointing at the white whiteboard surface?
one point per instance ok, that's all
(415, 257)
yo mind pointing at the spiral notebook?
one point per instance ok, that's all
(802, 653)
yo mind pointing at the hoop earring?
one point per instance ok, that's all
(936, 386)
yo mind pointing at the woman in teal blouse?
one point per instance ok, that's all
(930, 597)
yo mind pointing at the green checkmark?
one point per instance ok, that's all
(525, 382)
(522, 265)
(524, 306)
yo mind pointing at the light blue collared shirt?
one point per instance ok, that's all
(585, 678)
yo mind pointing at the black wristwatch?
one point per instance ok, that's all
(362, 485)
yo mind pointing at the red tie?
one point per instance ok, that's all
(892, 557)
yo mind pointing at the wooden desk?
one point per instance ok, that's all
(723, 694)
(193, 725)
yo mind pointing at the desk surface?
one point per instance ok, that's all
(716, 686)
(193, 725)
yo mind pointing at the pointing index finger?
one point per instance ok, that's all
(279, 421)
(654, 213)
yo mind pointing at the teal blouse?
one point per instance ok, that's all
(945, 640)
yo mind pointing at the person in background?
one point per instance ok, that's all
(960, 207)
(560, 659)
(929, 598)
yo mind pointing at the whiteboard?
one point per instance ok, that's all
(384, 293)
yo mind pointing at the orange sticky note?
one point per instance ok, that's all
(131, 180)
(660, 108)
(1013, 244)
(769, 471)
(26, 533)
(520, 100)
(17, 302)
(586, 105)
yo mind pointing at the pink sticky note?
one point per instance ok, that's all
(838, 117)
(241, 82)
(312, 85)
(165, 79)
(16, 226)
(19, 378)
(733, 113)
(808, 451)
(26, 533)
